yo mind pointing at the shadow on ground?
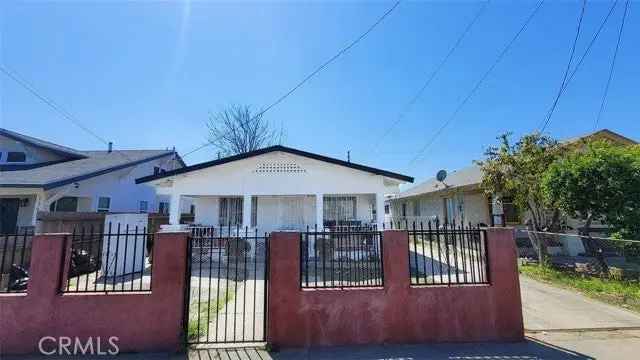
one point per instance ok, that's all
(528, 350)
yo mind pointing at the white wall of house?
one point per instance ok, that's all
(34, 155)
(431, 205)
(120, 187)
(278, 174)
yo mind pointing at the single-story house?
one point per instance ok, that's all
(279, 188)
(459, 197)
(39, 176)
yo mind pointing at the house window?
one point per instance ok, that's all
(163, 208)
(16, 156)
(386, 209)
(143, 206)
(254, 211)
(156, 170)
(416, 208)
(404, 209)
(104, 204)
(510, 211)
(339, 208)
(64, 204)
(230, 211)
(192, 209)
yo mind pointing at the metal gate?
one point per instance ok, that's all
(226, 293)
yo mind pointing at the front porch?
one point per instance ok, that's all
(268, 213)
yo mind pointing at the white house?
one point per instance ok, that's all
(279, 188)
(39, 176)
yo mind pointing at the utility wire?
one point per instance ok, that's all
(13, 75)
(478, 84)
(311, 75)
(577, 67)
(568, 67)
(428, 81)
(613, 64)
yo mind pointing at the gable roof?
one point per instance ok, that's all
(42, 144)
(469, 176)
(94, 163)
(472, 175)
(275, 148)
(602, 134)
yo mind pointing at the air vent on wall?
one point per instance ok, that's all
(276, 167)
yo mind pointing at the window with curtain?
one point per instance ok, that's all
(230, 211)
(339, 208)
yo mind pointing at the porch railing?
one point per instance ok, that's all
(341, 258)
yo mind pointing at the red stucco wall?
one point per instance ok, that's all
(149, 321)
(397, 313)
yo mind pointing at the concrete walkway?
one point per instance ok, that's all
(614, 346)
(547, 307)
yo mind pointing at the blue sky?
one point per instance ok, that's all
(148, 74)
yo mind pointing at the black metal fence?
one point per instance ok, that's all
(227, 286)
(341, 258)
(118, 259)
(15, 258)
(447, 254)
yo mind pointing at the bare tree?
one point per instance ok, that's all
(236, 130)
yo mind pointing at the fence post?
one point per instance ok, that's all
(395, 257)
(48, 255)
(503, 273)
(283, 286)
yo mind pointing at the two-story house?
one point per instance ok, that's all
(39, 176)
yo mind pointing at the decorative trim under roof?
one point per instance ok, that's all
(275, 148)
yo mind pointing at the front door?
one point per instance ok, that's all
(9, 215)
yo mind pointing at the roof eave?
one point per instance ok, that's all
(63, 182)
(266, 150)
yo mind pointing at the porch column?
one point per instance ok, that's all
(379, 210)
(174, 209)
(246, 211)
(320, 211)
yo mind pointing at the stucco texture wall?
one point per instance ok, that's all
(398, 312)
(146, 321)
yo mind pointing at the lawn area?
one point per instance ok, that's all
(617, 292)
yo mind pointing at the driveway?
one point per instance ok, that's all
(547, 307)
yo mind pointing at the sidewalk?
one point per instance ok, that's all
(549, 346)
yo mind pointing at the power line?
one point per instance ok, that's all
(479, 83)
(313, 73)
(568, 67)
(577, 67)
(424, 86)
(13, 75)
(613, 64)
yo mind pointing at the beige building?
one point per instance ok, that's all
(459, 197)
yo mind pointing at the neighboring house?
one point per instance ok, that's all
(279, 188)
(39, 176)
(459, 197)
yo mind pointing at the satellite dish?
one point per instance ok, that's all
(441, 175)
